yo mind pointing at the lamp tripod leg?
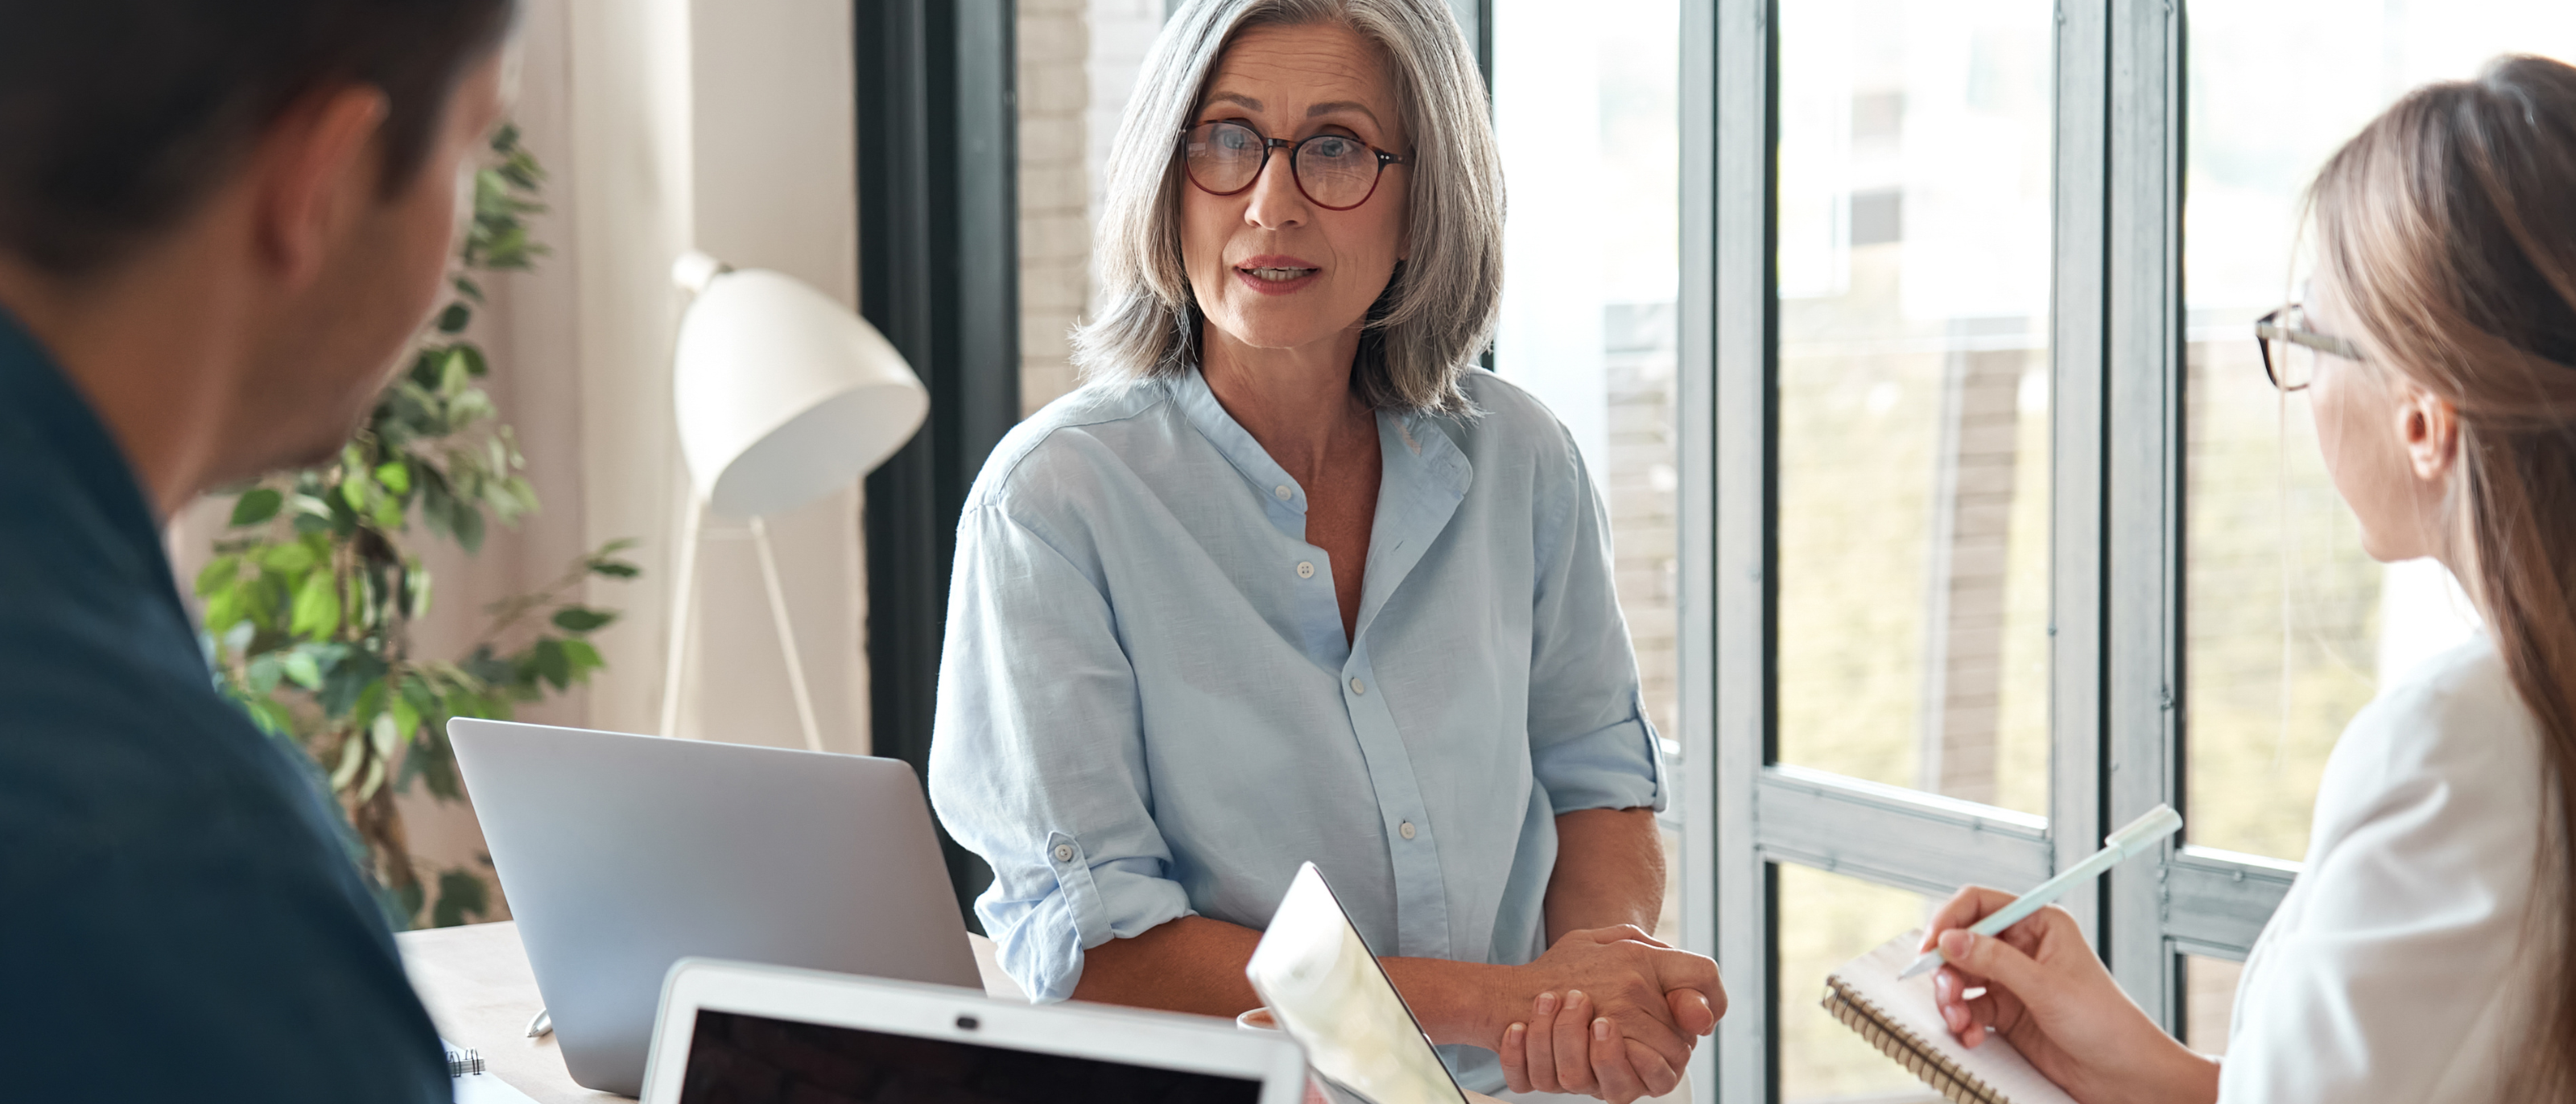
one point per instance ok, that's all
(682, 597)
(787, 637)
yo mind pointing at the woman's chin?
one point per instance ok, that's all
(1262, 329)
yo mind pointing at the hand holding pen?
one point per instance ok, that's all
(2034, 980)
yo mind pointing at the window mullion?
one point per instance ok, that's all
(1743, 344)
(1695, 416)
(2077, 342)
(2143, 429)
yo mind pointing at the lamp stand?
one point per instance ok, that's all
(683, 593)
(682, 587)
(787, 637)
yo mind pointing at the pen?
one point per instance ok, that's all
(2140, 834)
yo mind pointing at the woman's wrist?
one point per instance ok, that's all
(2188, 1076)
(2151, 1067)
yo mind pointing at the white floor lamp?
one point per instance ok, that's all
(783, 396)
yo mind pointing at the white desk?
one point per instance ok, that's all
(476, 982)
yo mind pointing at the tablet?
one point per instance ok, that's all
(1329, 993)
(738, 1033)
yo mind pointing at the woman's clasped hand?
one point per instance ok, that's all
(1613, 1013)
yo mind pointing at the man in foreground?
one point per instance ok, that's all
(221, 221)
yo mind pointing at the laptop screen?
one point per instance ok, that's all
(736, 1058)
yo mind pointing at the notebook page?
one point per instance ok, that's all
(1908, 1005)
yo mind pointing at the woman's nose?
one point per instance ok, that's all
(1276, 203)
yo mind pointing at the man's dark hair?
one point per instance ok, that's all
(118, 117)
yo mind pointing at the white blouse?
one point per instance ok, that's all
(2400, 967)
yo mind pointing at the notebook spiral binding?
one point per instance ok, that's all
(1921, 1059)
(459, 1065)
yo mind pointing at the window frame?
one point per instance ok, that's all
(2117, 743)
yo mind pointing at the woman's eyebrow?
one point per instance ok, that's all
(1236, 98)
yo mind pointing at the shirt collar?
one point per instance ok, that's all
(74, 450)
(1190, 391)
(1420, 459)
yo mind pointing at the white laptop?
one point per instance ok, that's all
(736, 1033)
(621, 855)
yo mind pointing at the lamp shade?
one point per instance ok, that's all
(783, 394)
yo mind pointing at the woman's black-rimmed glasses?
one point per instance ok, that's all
(1335, 171)
(2282, 335)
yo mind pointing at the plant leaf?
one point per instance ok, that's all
(375, 779)
(300, 666)
(256, 506)
(552, 664)
(352, 755)
(317, 607)
(460, 895)
(582, 619)
(220, 573)
(469, 527)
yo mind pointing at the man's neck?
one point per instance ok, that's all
(150, 346)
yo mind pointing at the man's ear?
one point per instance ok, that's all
(2429, 427)
(314, 169)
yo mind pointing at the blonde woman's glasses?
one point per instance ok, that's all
(2290, 348)
(1336, 171)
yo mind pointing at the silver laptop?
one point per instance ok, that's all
(621, 855)
(734, 1033)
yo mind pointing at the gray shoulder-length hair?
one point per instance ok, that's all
(1438, 310)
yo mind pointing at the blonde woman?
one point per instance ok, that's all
(1292, 580)
(2423, 955)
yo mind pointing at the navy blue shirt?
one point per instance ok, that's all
(180, 918)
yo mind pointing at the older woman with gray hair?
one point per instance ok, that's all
(1291, 579)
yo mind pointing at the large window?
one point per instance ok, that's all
(1584, 111)
(1992, 534)
(1909, 342)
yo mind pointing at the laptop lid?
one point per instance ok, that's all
(1328, 992)
(736, 1032)
(623, 854)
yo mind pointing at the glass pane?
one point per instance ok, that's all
(2289, 628)
(1832, 920)
(2209, 1001)
(1584, 107)
(1913, 266)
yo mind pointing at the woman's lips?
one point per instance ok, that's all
(1275, 275)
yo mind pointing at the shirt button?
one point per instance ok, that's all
(1305, 569)
(1064, 851)
(1283, 492)
(1405, 829)
(1358, 687)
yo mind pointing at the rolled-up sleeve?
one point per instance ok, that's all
(1591, 746)
(1037, 761)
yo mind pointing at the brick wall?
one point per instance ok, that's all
(1055, 192)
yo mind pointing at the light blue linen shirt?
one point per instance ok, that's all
(1148, 709)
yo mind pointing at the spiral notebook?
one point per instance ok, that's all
(471, 1080)
(1898, 1018)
